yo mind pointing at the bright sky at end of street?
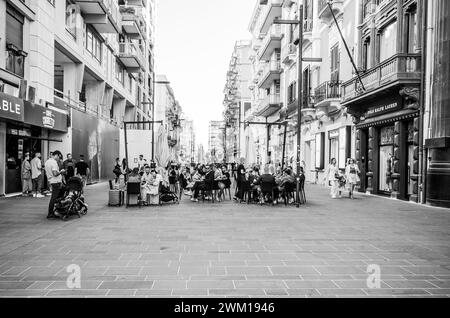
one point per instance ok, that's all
(194, 43)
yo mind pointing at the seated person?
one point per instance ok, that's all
(268, 178)
(134, 176)
(206, 184)
(185, 179)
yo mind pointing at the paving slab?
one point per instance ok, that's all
(326, 248)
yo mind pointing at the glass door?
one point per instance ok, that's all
(386, 159)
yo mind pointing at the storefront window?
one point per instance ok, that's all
(386, 161)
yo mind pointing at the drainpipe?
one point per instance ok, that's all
(422, 157)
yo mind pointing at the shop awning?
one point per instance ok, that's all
(388, 118)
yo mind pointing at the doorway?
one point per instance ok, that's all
(386, 159)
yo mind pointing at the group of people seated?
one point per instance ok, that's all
(150, 178)
(210, 180)
(273, 185)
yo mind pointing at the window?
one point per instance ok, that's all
(71, 18)
(94, 44)
(15, 56)
(119, 71)
(366, 54)
(388, 41)
(412, 36)
(306, 87)
(367, 8)
(292, 92)
(335, 62)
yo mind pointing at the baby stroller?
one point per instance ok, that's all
(70, 201)
(166, 196)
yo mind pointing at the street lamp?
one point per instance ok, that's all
(298, 22)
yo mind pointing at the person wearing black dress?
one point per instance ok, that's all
(240, 179)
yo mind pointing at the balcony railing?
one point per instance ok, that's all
(398, 67)
(327, 90)
(271, 41)
(271, 71)
(324, 11)
(134, 14)
(127, 49)
(271, 99)
(272, 9)
(288, 53)
(15, 62)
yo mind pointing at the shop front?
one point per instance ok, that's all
(387, 149)
(24, 127)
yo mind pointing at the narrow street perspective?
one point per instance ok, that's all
(225, 149)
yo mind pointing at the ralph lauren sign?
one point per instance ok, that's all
(381, 109)
(11, 107)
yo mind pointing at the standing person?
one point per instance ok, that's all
(141, 163)
(54, 176)
(82, 170)
(146, 182)
(117, 170)
(69, 166)
(352, 176)
(37, 175)
(332, 177)
(27, 186)
(240, 178)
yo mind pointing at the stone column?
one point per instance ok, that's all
(438, 173)
(370, 164)
(396, 160)
(414, 177)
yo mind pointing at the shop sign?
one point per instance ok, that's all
(11, 107)
(44, 117)
(378, 110)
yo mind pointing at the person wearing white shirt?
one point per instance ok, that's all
(331, 176)
(37, 175)
(54, 176)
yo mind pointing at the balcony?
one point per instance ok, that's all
(289, 53)
(131, 56)
(15, 60)
(399, 70)
(136, 3)
(307, 31)
(328, 96)
(133, 22)
(308, 107)
(271, 42)
(270, 73)
(272, 11)
(324, 12)
(103, 15)
(269, 105)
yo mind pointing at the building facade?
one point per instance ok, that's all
(385, 98)
(434, 159)
(237, 101)
(216, 137)
(79, 68)
(187, 140)
(169, 111)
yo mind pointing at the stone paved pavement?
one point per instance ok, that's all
(228, 249)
